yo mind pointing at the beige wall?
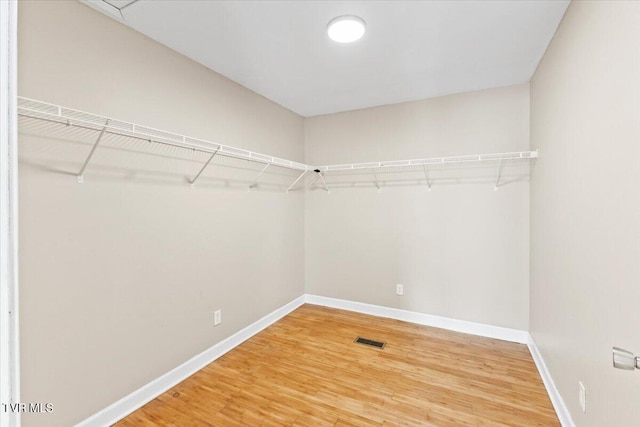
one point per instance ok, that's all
(100, 318)
(585, 199)
(120, 275)
(461, 250)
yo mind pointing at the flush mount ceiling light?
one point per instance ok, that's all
(346, 28)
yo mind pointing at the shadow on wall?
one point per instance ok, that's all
(53, 147)
(489, 174)
(61, 149)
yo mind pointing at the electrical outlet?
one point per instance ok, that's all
(582, 396)
(217, 317)
(399, 290)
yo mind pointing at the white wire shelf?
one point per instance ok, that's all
(45, 111)
(494, 157)
(101, 126)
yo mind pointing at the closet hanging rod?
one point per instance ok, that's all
(495, 157)
(53, 113)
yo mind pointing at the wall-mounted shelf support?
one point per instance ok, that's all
(55, 114)
(425, 169)
(314, 180)
(324, 182)
(193, 181)
(375, 178)
(319, 177)
(93, 150)
(255, 182)
(130, 133)
(495, 187)
(297, 179)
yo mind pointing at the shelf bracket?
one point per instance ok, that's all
(193, 181)
(313, 181)
(319, 176)
(425, 168)
(375, 177)
(297, 179)
(93, 150)
(255, 182)
(495, 187)
(326, 187)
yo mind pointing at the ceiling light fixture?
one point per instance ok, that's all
(346, 28)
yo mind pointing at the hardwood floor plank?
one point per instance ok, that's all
(305, 370)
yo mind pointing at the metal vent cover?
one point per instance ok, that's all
(370, 343)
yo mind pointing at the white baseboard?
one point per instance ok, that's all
(558, 403)
(489, 331)
(150, 391)
(506, 334)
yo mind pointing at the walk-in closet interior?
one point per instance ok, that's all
(215, 214)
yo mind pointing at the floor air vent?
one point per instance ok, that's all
(371, 343)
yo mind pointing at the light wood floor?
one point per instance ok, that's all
(306, 371)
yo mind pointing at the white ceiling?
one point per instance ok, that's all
(411, 50)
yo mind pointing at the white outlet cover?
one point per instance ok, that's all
(217, 317)
(582, 396)
(399, 289)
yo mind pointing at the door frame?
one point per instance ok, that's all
(9, 319)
